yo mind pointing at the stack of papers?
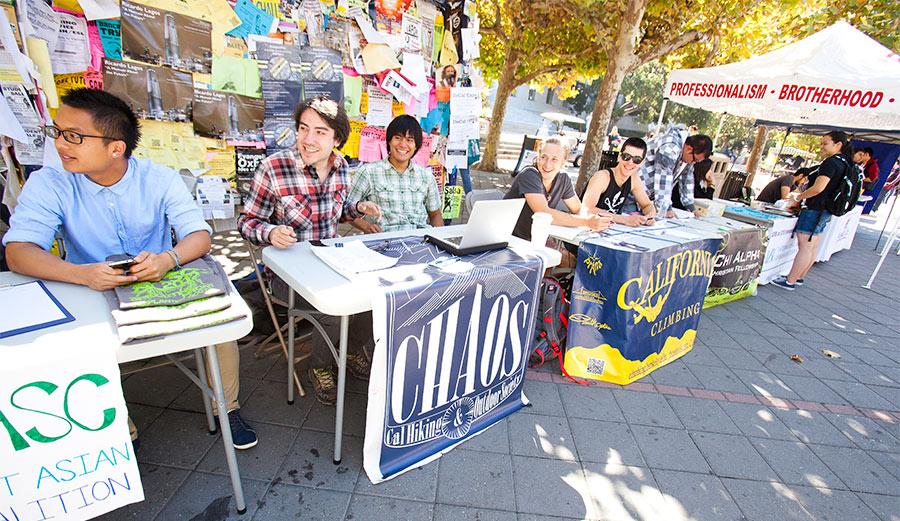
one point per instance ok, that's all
(353, 257)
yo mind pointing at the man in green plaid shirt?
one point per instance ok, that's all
(406, 192)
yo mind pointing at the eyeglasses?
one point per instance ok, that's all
(634, 159)
(694, 157)
(76, 138)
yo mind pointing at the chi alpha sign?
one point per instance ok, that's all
(65, 451)
(632, 312)
(451, 347)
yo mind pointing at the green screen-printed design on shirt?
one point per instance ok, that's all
(176, 287)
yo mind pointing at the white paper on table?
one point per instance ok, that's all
(72, 52)
(23, 63)
(380, 112)
(566, 233)
(44, 22)
(27, 305)
(100, 9)
(470, 40)
(353, 257)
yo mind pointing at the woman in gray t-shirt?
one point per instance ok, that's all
(544, 186)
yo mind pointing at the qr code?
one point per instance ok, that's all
(595, 366)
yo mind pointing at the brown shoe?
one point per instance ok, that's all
(358, 367)
(324, 385)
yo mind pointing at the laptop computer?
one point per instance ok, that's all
(489, 227)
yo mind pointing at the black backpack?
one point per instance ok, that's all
(552, 323)
(845, 194)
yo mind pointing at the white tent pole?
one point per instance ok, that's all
(719, 128)
(662, 112)
(884, 252)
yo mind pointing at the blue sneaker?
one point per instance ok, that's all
(799, 282)
(782, 282)
(242, 435)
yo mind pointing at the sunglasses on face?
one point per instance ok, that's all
(634, 159)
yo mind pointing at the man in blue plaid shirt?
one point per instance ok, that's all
(670, 160)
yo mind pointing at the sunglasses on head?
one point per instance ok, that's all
(634, 159)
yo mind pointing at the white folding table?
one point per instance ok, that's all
(333, 294)
(90, 308)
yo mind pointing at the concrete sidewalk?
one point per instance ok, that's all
(734, 430)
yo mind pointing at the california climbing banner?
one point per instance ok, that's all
(452, 337)
(635, 308)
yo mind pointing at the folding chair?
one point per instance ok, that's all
(263, 348)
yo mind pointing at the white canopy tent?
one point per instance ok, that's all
(838, 77)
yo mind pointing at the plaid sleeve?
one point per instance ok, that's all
(361, 185)
(664, 168)
(254, 222)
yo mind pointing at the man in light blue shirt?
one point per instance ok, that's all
(107, 203)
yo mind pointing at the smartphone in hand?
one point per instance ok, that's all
(121, 260)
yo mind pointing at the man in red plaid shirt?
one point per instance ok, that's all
(301, 194)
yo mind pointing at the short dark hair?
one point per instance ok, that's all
(110, 114)
(700, 144)
(405, 125)
(635, 142)
(869, 152)
(331, 111)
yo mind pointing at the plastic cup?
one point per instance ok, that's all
(540, 228)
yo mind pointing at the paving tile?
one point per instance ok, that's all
(696, 496)
(702, 415)
(826, 503)
(549, 487)
(857, 469)
(157, 387)
(826, 370)
(419, 484)
(260, 462)
(621, 493)
(676, 373)
(143, 415)
(706, 394)
(767, 501)
(755, 342)
(159, 483)
(268, 403)
(796, 464)
(493, 439)
(732, 456)
(702, 355)
(668, 449)
(874, 357)
(593, 403)
(858, 395)
(373, 508)
(868, 434)
(544, 398)
(720, 379)
(310, 462)
(737, 358)
(284, 501)
(780, 363)
(647, 409)
(887, 507)
(258, 367)
(456, 513)
(812, 389)
(766, 384)
(812, 427)
(889, 460)
(757, 421)
(868, 374)
(716, 338)
(477, 479)
(605, 442)
(541, 437)
(210, 496)
(321, 417)
(176, 439)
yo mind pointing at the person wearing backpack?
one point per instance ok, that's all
(833, 190)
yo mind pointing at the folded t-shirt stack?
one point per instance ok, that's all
(194, 297)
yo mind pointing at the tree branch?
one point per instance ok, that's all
(497, 28)
(661, 50)
(533, 75)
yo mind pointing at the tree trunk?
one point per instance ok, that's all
(621, 59)
(762, 134)
(505, 86)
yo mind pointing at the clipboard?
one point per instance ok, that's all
(43, 309)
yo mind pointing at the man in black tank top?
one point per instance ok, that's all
(607, 190)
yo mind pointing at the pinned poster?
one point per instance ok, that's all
(153, 92)
(354, 38)
(470, 43)
(72, 52)
(67, 82)
(399, 86)
(238, 75)
(379, 57)
(448, 55)
(424, 154)
(95, 42)
(37, 49)
(380, 112)
(253, 20)
(9, 125)
(44, 21)
(372, 145)
(465, 108)
(230, 116)
(111, 38)
(413, 69)
(98, 9)
(412, 33)
(457, 154)
(161, 37)
(453, 196)
(351, 147)
(322, 73)
(352, 95)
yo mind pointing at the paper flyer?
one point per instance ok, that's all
(322, 74)
(238, 75)
(111, 38)
(152, 92)
(72, 52)
(224, 115)
(160, 37)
